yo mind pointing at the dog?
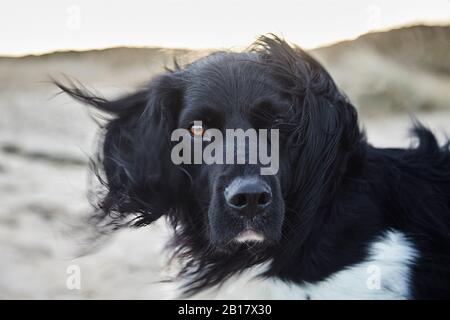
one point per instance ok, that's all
(340, 219)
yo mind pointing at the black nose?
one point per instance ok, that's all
(248, 195)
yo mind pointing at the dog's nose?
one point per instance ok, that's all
(249, 196)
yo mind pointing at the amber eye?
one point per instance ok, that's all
(196, 129)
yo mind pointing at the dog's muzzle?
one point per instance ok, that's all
(248, 197)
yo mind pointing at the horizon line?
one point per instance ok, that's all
(232, 48)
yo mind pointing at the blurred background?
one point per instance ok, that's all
(390, 57)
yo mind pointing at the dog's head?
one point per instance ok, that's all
(228, 205)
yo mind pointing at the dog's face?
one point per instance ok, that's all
(227, 206)
(238, 203)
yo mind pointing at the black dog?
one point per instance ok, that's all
(340, 218)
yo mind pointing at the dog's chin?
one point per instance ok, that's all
(247, 239)
(250, 236)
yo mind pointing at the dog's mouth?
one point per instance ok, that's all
(249, 235)
(251, 240)
(257, 233)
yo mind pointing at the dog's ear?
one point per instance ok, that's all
(322, 129)
(134, 160)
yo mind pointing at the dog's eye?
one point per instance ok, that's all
(197, 130)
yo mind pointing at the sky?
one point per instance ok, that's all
(32, 27)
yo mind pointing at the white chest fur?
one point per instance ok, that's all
(385, 274)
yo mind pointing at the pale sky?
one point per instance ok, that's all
(28, 26)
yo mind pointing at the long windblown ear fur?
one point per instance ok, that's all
(134, 163)
(323, 131)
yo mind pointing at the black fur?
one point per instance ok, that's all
(336, 193)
